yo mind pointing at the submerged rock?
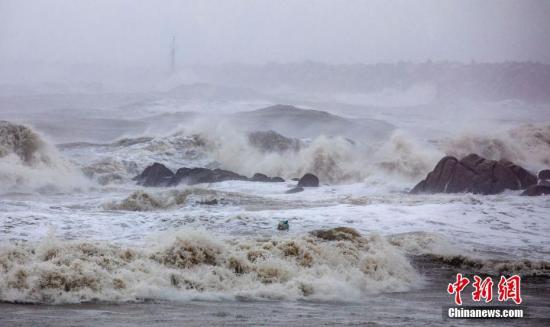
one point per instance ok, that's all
(209, 202)
(295, 190)
(155, 175)
(474, 174)
(308, 180)
(536, 190)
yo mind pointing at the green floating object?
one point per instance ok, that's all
(283, 225)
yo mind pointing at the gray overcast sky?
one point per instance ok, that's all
(124, 32)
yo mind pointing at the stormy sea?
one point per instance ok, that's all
(186, 203)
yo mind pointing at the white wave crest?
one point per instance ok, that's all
(28, 163)
(193, 264)
(526, 145)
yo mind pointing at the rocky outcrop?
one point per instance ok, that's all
(544, 174)
(159, 175)
(295, 190)
(536, 190)
(155, 175)
(474, 174)
(192, 176)
(308, 180)
(258, 177)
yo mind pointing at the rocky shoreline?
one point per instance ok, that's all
(158, 175)
(478, 175)
(471, 174)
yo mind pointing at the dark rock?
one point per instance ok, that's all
(295, 190)
(337, 234)
(258, 177)
(277, 179)
(209, 202)
(544, 174)
(474, 174)
(526, 179)
(155, 175)
(295, 179)
(544, 182)
(536, 190)
(191, 176)
(308, 180)
(158, 175)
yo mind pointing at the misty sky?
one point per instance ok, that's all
(124, 32)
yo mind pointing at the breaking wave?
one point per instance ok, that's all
(148, 201)
(400, 159)
(28, 163)
(527, 145)
(331, 265)
(333, 159)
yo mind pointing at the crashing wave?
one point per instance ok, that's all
(332, 159)
(139, 201)
(108, 170)
(28, 163)
(271, 141)
(23, 142)
(194, 264)
(527, 145)
(120, 161)
(174, 198)
(402, 156)
(143, 201)
(400, 159)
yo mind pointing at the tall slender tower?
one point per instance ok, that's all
(173, 55)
